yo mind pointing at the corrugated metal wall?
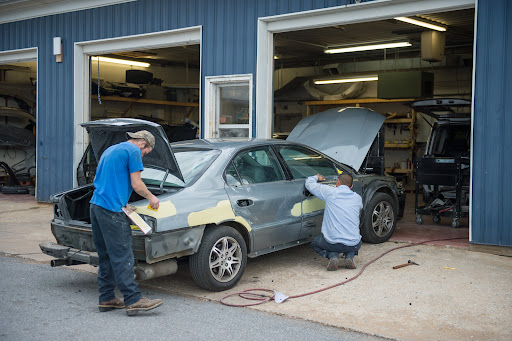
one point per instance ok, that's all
(229, 47)
(492, 124)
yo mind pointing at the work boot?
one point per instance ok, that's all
(144, 304)
(334, 262)
(116, 303)
(349, 262)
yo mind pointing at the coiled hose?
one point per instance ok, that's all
(257, 294)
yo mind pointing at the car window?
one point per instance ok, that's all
(255, 166)
(452, 141)
(191, 163)
(304, 162)
(232, 178)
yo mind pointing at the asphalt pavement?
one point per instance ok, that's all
(454, 294)
(43, 303)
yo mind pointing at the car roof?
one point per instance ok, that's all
(225, 144)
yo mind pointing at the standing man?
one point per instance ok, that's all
(117, 175)
(340, 226)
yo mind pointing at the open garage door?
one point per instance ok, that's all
(18, 118)
(155, 77)
(384, 65)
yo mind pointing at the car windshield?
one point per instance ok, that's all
(191, 163)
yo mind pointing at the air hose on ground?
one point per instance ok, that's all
(259, 297)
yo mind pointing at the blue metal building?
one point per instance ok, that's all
(236, 38)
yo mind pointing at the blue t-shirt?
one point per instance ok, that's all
(113, 186)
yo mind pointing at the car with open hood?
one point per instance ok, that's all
(222, 201)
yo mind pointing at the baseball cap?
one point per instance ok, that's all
(143, 134)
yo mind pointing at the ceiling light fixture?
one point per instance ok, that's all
(421, 23)
(369, 47)
(368, 78)
(120, 61)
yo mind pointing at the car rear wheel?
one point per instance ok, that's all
(379, 220)
(220, 261)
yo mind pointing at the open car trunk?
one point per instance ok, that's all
(72, 223)
(74, 205)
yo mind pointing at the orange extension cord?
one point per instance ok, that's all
(253, 295)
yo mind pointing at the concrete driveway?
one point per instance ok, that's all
(453, 294)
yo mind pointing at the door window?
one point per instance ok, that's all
(254, 166)
(304, 162)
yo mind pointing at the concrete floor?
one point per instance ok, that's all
(454, 293)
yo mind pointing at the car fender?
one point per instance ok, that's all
(378, 186)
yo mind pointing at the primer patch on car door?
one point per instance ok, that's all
(221, 212)
(297, 209)
(166, 209)
(308, 206)
(312, 205)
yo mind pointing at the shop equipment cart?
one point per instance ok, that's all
(442, 174)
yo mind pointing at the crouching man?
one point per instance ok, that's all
(340, 226)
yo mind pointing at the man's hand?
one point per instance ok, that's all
(154, 202)
(320, 177)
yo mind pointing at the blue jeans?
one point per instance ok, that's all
(328, 250)
(112, 237)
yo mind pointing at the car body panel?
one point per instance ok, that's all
(344, 134)
(270, 214)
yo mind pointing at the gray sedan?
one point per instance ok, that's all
(220, 202)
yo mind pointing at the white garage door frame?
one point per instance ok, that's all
(20, 56)
(340, 15)
(82, 52)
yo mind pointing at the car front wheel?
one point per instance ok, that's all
(220, 261)
(379, 220)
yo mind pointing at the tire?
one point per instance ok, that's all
(221, 259)
(419, 219)
(436, 219)
(379, 220)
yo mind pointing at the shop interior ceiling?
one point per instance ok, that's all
(306, 47)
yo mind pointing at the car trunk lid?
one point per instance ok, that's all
(105, 133)
(345, 134)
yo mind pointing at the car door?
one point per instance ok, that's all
(260, 193)
(302, 163)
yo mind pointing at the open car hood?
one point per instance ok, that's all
(345, 134)
(105, 133)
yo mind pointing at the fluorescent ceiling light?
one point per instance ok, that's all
(121, 61)
(349, 80)
(421, 23)
(369, 47)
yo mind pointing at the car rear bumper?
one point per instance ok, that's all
(69, 255)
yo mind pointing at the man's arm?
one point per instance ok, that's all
(318, 190)
(140, 188)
